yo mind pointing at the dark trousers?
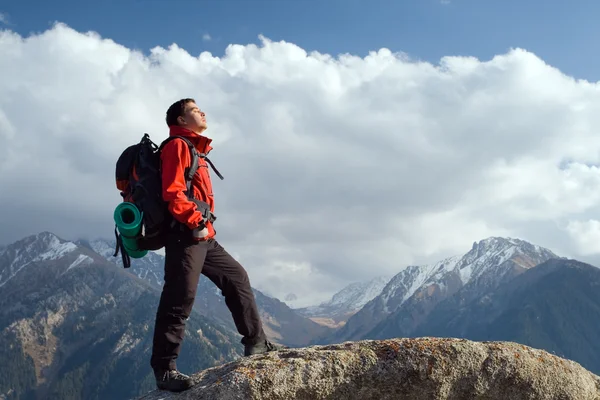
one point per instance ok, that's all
(185, 261)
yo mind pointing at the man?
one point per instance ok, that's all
(191, 249)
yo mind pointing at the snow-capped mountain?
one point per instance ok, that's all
(402, 286)
(412, 293)
(346, 302)
(553, 306)
(494, 260)
(65, 311)
(35, 249)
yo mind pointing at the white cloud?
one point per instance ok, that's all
(336, 168)
(206, 37)
(3, 18)
(586, 235)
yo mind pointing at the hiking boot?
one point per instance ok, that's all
(172, 380)
(262, 347)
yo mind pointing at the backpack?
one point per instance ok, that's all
(138, 176)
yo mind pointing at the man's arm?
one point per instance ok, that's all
(176, 158)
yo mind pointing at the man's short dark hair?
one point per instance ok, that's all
(176, 111)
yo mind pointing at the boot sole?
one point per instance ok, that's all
(178, 389)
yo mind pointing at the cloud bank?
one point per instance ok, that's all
(336, 169)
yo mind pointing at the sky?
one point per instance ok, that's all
(355, 137)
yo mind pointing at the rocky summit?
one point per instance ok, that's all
(421, 368)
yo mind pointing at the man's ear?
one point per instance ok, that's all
(181, 120)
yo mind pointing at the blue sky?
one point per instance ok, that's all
(560, 32)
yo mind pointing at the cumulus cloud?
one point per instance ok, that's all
(586, 235)
(336, 169)
(206, 37)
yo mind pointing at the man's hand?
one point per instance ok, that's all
(200, 232)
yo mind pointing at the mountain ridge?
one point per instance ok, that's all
(63, 308)
(345, 303)
(418, 288)
(210, 302)
(554, 306)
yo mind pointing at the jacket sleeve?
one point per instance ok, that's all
(175, 157)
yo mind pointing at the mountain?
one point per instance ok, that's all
(554, 306)
(150, 267)
(409, 296)
(291, 297)
(345, 303)
(281, 323)
(74, 326)
(285, 325)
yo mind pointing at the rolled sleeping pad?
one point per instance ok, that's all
(129, 222)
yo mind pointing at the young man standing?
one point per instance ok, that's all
(191, 250)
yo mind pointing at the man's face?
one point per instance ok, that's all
(193, 118)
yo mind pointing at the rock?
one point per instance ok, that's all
(423, 368)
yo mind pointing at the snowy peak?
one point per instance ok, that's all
(100, 246)
(402, 286)
(356, 295)
(496, 245)
(348, 300)
(44, 246)
(488, 261)
(412, 293)
(495, 254)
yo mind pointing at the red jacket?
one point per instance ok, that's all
(175, 157)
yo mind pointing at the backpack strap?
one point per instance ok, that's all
(191, 171)
(202, 155)
(119, 246)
